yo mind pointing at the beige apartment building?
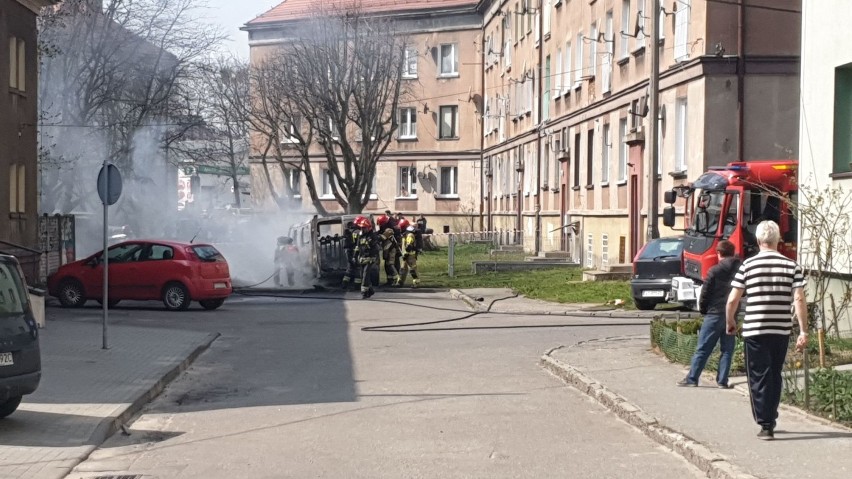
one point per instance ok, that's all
(565, 155)
(433, 166)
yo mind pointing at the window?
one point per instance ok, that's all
(548, 13)
(545, 165)
(125, 253)
(843, 119)
(17, 188)
(158, 252)
(449, 60)
(449, 122)
(507, 54)
(293, 182)
(681, 33)
(661, 26)
(593, 49)
(566, 85)
(408, 123)
(642, 14)
(528, 177)
(557, 173)
(604, 250)
(623, 150)
(577, 160)
(292, 130)
(578, 61)
(407, 182)
(546, 113)
(626, 29)
(449, 181)
(558, 75)
(605, 146)
(332, 130)
(17, 64)
(409, 65)
(680, 134)
(590, 251)
(590, 155)
(326, 190)
(606, 67)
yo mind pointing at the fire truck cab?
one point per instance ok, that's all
(728, 202)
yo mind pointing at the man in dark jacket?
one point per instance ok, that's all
(711, 303)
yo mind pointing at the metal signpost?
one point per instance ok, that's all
(109, 189)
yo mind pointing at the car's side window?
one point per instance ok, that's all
(161, 252)
(125, 253)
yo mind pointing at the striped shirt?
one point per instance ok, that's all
(768, 279)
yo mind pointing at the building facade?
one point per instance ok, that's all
(826, 135)
(565, 153)
(433, 166)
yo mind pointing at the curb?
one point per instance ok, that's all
(712, 464)
(110, 425)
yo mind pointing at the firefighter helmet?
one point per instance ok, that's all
(381, 221)
(403, 224)
(363, 223)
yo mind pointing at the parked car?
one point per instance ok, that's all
(654, 267)
(20, 355)
(174, 272)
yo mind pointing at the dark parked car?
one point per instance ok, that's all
(653, 269)
(20, 356)
(174, 272)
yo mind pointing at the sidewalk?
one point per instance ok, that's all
(86, 392)
(710, 427)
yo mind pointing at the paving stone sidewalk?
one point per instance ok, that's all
(712, 428)
(87, 392)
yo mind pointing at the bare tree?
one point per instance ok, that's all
(114, 75)
(331, 93)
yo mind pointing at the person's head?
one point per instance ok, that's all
(768, 234)
(726, 249)
(388, 213)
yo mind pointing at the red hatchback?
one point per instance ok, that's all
(171, 271)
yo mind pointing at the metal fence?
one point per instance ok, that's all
(496, 251)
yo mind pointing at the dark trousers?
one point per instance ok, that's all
(764, 356)
(367, 270)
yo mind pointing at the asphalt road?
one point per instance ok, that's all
(295, 387)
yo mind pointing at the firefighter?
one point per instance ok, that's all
(285, 259)
(352, 275)
(409, 257)
(367, 253)
(390, 251)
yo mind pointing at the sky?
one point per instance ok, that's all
(230, 15)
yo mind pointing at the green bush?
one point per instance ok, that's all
(831, 394)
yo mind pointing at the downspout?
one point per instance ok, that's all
(540, 106)
(741, 80)
(482, 140)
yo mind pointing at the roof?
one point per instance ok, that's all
(299, 9)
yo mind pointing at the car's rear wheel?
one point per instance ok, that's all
(644, 305)
(176, 297)
(10, 406)
(71, 294)
(211, 304)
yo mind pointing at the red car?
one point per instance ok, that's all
(174, 272)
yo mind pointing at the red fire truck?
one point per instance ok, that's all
(728, 202)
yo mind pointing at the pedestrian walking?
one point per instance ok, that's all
(771, 283)
(711, 303)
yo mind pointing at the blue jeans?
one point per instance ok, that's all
(712, 330)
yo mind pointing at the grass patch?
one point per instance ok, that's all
(561, 284)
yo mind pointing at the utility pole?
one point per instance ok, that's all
(654, 125)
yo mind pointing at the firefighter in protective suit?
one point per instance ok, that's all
(285, 259)
(409, 257)
(367, 250)
(353, 273)
(390, 250)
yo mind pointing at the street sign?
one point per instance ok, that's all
(109, 184)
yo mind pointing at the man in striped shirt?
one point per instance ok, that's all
(772, 283)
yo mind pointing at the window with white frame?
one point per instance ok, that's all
(327, 179)
(507, 54)
(292, 129)
(604, 250)
(293, 182)
(557, 175)
(593, 49)
(333, 131)
(449, 60)
(627, 29)
(642, 15)
(450, 181)
(606, 64)
(409, 66)
(623, 150)
(449, 122)
(17, 64)
(529, 85)
(681, 33)
(408, 123)
(546, 110)
(681, 137)
(566, 85)
(590, 251)
(545, 164)
(557, 76)
(17, 188)
(578, 60)
(548, 13)
(661, 26)
(528, 177)
(407, 182)
(605, 147)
